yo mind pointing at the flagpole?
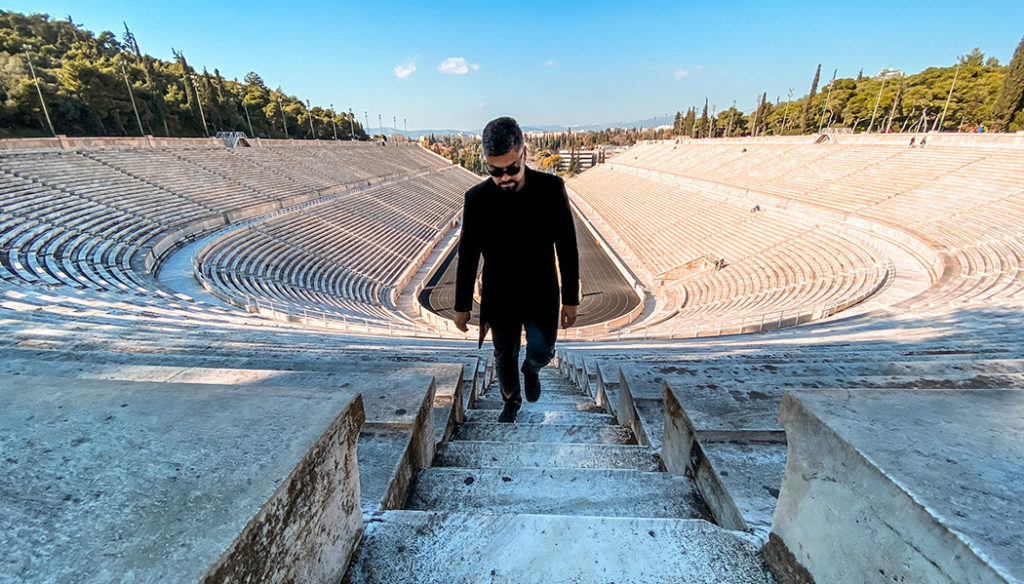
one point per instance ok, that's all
(824, 108)
(948, 97)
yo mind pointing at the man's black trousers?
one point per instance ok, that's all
(540, 349)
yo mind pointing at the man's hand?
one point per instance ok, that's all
(568, 316)
(462, 321)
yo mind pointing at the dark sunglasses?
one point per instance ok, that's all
(511, 170)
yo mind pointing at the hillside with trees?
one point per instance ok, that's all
(56, 77)
(974, 93)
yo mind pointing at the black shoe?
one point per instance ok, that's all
(531, 386)
(508, 413)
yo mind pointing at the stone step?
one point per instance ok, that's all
(553, 394)
(545, 397)
(549, 406)
(563, 386)
(741, 482)
(535, 417)
(520, 432)
(558, 491)
(462, 548)
(479, 454)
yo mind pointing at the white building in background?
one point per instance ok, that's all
(587, 158)
(889, 73)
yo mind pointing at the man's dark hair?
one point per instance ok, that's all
(501, 136)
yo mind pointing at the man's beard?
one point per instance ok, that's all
(509, 186)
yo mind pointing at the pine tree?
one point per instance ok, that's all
(130, 43)
(1011, 96)
(810, 98)
(764, 111)
(753, 116)
(191, 95)
(703, 120)
(897, 107)
(689, 122)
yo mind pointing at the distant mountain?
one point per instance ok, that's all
(417, 134)
(543, 128)
(647, 123)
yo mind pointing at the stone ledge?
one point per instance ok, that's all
(165, 482)
(903, 485)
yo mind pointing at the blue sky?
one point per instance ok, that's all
(459, 64)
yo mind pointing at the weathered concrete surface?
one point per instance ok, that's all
(449, 398)
(535, 417)
(113, 481)
(911, 486)
(738, 473)
(535, 455)
(713, 404)
(640, 403)
(490, 403)
(604, 384)
(591, 492)
(396, 395)
(385, 467)
(751, 474)
(456, 548)
(398, 436)
(587, 433)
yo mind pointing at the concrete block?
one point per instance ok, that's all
(157, 482)
(385, 467)
(641, 406)
(605, 388)
(737, 473)
(902, 485)
(680, 437)
(712, 406)
(747, 477)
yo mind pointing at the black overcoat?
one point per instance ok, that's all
(518, 233)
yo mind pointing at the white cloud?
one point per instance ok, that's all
(551, 62)
(481, 105)
(456, 66)
(684, 73)
(403, 71)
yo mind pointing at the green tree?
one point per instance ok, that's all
(690, 123)
(704, 124)
(808, 112)
(975, 57)
(731, 122)
(1010, 100)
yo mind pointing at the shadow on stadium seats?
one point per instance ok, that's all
(970, 325)
(980, 331)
